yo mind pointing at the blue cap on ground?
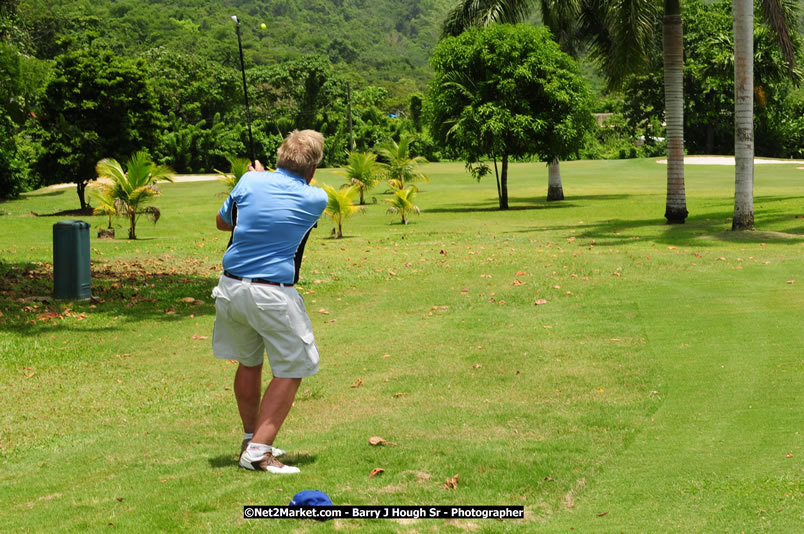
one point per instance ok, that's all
(311, 498)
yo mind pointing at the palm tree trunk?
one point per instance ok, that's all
(504, 182)
(340, 230)
(743, 114)
(673, 34)
(555, 191)
(132, 230)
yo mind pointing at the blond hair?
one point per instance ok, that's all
(301, 152)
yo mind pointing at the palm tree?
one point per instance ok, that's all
(136, 187)
(780, 16)
(362, 172)
(743, 114)
(237, 168)
(107, 205)
(402, 203)
(673, 44)
(341, 205)
(401, 168)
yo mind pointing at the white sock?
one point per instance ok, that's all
(258, 449)
(248, 435)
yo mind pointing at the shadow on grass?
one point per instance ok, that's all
(700, 230)
(122, 292)
(523, 204)
(224, 461)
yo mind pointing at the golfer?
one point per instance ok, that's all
(257, 308)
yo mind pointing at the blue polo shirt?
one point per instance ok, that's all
(274, 212)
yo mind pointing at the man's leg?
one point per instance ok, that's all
(274, 409)
(247, 387)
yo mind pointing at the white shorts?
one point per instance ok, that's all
(253, 318)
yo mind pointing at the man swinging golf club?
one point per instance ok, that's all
(258, 309)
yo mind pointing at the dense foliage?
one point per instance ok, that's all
(95, 106)
(709, 87)
(507, 92)
(164, 77)
(184, 103)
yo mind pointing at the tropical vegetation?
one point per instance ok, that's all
(362, 171)
(400, 165)
(340, 206)
(131, 188)
(401, 203)
(504, 92)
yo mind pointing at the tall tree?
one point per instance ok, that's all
(95, 106)
(507, 91)
(743, 114)
(617, 33)
(780, 16)
(673, 45)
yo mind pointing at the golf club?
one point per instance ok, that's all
(248, 119)
(245, 90)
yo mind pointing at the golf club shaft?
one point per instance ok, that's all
(245, 95)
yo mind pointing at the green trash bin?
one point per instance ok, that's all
(71, 273)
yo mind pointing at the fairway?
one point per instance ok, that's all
(606, 371)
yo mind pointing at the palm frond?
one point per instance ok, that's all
(472, 13)
(780, 16)
(152, 213)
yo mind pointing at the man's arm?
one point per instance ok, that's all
(223, 225)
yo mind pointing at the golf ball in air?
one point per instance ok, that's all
(263, 26)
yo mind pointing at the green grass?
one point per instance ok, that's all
(660, 387)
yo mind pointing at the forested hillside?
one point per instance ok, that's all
(82, 80)
(375, 40)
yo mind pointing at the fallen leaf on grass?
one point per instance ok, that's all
(791, 282)
(519, 283)
(357, 384)
(521, 273)
(119, 499)
(540, 302)
(196, 336)
(376, 471)
(548, 479)
(789, 456)
(602, 514)
(323, 311)
(376, 440)
(451, 483)
(188, 300)
(476, 366)
(402, 394)
(485, 276)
